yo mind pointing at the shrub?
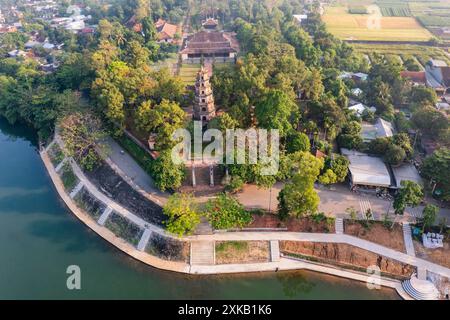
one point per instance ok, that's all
(225, 212)
(69, 179)
(183, 214)
(297, 141)
(236, 184)
(55, 154)
(395, 155)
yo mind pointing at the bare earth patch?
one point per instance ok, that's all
(377, 233)
(228, 252)
(305, 224)
(439, 256)
(346, 256)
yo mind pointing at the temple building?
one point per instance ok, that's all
(204, 108)
(208, 45)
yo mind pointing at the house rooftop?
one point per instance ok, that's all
(437, 63)
(405, 172)
(380, 129)
(367, 170)
(415, 76)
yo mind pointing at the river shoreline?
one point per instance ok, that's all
(122, 245)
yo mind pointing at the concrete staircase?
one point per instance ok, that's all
(408, 239)
(339, 225)
(274, 250)
(144, 240)
(203, 253)
(77, 189)
(204, 227)
(105, 215)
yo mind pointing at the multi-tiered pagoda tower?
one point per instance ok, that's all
(204, 108)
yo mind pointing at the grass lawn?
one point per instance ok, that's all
(167, 63)
(188, 73)
(373, 27)
(242, 252)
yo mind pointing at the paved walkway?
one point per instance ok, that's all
(203, 253)
(105, 215)
(144, 240)
(108, 202)
(130, 170)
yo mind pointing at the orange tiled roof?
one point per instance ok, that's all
(416, 76)
(167, 31)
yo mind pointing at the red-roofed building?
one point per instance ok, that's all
(166, 31)
(417, 77)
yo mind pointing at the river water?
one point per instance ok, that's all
(40, 238)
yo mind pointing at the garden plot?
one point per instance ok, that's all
(55, 154)
(123, 228)
(168, 248)
(114, 187)
(68, 177)
(370, 27)
(89, 204)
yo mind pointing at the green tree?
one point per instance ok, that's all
(274, 112)
(429, 215)
(182, 212)
(148, 29)
(80, 132)
(162, 119)
(410, 194)
(328, 177)
(225, 212)
(223, 122)
(339, 164)
(421, 95)
(297, 141)
(436, 169)
(394, 155)
(430, 120)
(167, 175)
(298, 196)
(350, 137)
